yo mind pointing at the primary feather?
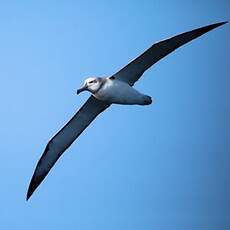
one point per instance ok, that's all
(118, 90)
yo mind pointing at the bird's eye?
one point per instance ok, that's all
(93, 81)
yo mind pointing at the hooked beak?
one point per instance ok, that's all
(83, 88)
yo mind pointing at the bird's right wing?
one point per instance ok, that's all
(133, 71)
(64, 138)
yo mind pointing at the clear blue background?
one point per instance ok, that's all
(164, 166)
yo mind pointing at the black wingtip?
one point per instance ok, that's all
(223, 22)
(219, 24)
(27, 197)
(213, 26)
(29, 192)
(32, 187)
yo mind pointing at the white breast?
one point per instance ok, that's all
(119, 92)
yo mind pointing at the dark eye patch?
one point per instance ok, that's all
(93, 81)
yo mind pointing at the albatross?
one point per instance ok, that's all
(115, 89)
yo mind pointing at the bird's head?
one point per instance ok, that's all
(92, 84)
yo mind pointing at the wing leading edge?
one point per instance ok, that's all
(64, 138)
(93, 107)
(133, 71)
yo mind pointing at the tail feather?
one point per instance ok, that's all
(147, 100)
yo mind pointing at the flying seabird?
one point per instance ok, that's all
(116, 89)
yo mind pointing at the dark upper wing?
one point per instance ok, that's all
(133, 71)
(64, 138)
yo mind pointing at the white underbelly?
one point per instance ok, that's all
(118, 92)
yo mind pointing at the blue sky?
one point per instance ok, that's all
(163, 166)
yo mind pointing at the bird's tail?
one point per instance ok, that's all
(147, 100)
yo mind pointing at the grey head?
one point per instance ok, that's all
(92, 84)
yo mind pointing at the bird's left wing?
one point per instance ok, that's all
(133, 71)
(64, 138)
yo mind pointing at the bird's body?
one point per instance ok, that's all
(117, 89)
(119, 92)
